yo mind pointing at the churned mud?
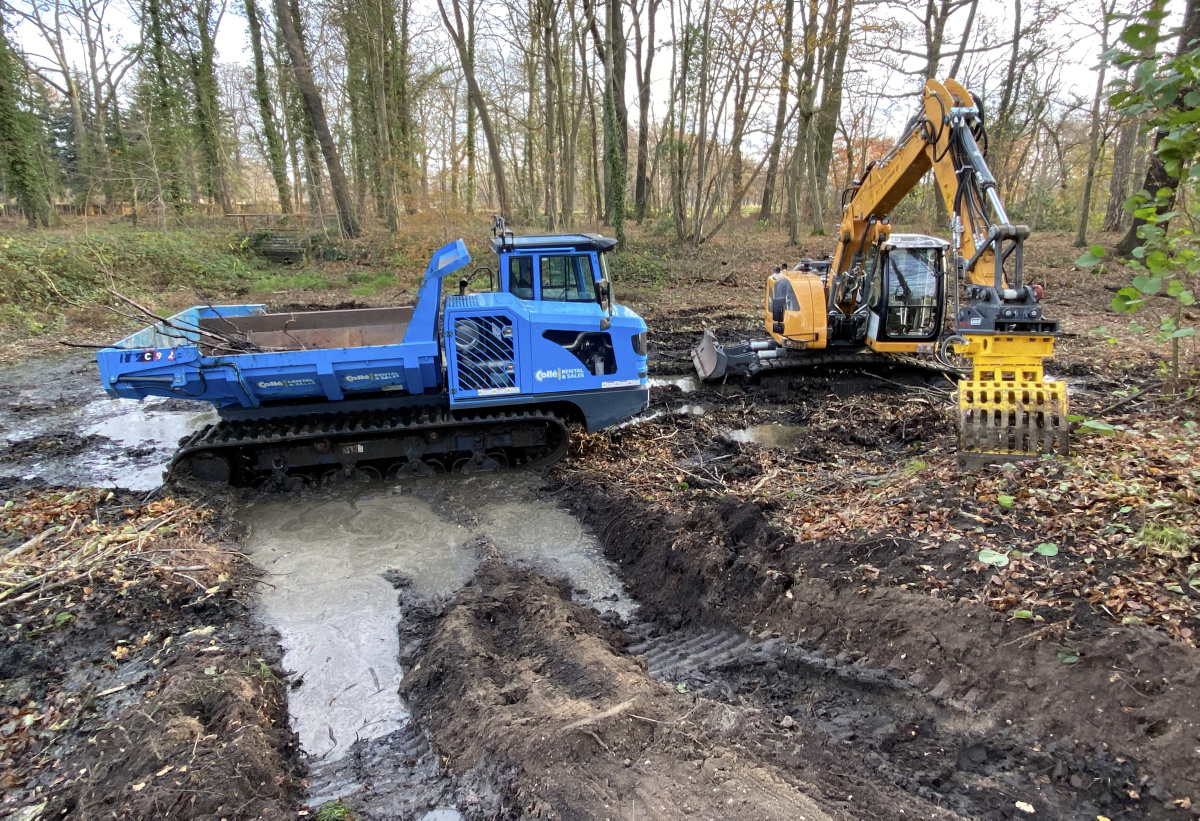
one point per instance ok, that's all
(520, 685)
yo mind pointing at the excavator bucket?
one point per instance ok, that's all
(1008, 411)
(709, 357)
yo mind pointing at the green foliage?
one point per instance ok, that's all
(333, 811)
(993, 557)
(1164, 92)
(1096, 426)
(644, 268)
(290, 279)
(1092, 257)
(367, 285)
(22, 138)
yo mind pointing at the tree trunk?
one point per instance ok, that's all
(471, 113)
(644, 59)
(167, 149)
(266, 111)
(458, 34)
(615, 119)
(315, 109)
(1085, 207)
(1118, 186)
(546, 12)
(785, 73)
(207, 110)
(831, 99)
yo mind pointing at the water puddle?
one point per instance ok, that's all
(772, 435)
(328, 558)
(59, 426)
(687, 383)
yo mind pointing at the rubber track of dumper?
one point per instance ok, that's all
(854, 360)
(230, 435)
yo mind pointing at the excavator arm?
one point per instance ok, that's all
(944, 138)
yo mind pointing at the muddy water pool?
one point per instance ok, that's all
(58, 425)
(331, 560)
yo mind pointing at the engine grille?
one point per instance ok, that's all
(484, 354)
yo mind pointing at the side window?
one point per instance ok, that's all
(520, 277)
(567, 278)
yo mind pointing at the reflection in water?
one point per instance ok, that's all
(772, 435)
(325, 555)
(145, 436)
(137, 441)
(686, 382)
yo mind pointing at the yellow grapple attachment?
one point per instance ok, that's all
(1007, 411)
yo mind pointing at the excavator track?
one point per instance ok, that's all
(854, 360)
(408, 442)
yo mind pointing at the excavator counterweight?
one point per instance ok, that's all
(886, 294)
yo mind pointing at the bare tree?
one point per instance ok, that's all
(1106, 8)
(458, 34)
(315, 109)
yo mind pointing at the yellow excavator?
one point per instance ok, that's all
(885, 295)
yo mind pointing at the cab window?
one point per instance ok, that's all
(912, 292)
(567, 278)
(520, 277)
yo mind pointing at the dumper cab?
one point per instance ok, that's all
(547, 329)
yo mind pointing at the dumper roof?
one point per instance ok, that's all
(578, 242)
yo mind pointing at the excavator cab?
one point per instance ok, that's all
(905, 276)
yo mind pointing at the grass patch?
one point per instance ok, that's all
(1164, 539)
(46, 272)
(369, 285)
(301, 279)
(333, 811)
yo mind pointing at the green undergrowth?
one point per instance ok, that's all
(44, 274)
(290, 279)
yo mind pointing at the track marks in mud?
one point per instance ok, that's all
(1115, 731)
(517, 679)
(862, 724)
(675, 655)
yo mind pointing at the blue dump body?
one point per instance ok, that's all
(545, 340)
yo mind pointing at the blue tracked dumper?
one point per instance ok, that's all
(471, 381)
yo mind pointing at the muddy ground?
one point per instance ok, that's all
(134, 682)
(815, 634)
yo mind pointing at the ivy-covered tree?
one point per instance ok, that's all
(22, 137)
